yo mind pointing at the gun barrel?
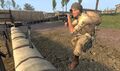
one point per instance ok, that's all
(49, 19)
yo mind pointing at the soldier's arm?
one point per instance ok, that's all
(81, 23)
(70, 26)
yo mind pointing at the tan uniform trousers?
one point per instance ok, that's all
(79, 43)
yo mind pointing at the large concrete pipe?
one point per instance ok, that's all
(26, 58)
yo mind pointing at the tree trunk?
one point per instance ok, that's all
(66, 7)
(63, 9)
(97, 2)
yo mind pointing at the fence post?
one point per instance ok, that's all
(2, 66)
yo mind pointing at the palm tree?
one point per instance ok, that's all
(66, 2)
(54, 4)
(80, 1)
(3, 3)
(13, 3)
(97, 3)
(62, 3)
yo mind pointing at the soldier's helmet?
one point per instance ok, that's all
(77, 6)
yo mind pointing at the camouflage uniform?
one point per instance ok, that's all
(84, 30)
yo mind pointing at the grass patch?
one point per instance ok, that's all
(111, 21)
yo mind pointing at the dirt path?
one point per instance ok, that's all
(109, 38)
(104, 56)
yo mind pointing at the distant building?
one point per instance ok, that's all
(46, 15)
(108, 11)
(99, 11)
(117, 8)
(111, 11)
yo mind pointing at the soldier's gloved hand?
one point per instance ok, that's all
(68, 17)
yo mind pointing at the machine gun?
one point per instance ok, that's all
(62, 17)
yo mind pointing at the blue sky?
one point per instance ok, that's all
(46, 5)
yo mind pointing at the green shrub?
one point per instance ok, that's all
(110, 21)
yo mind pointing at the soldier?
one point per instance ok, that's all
(82, 27)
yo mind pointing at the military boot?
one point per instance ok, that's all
(74, 63)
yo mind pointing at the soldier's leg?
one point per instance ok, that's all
(74, 57)
(74, 40)
(80, 44)
(78, 50)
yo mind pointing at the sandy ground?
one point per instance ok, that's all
(104, 56)
(54, 44)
